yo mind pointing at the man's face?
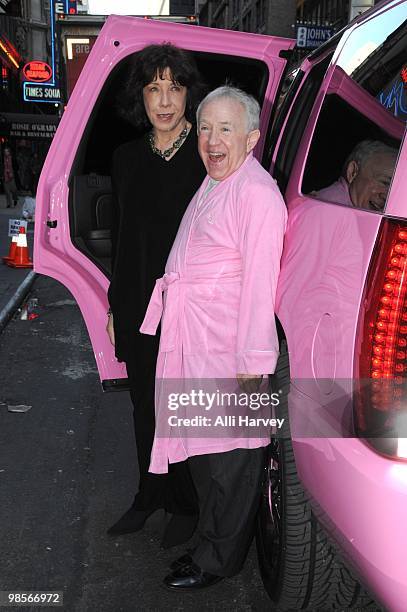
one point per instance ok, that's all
(370, 182)
(223, 139)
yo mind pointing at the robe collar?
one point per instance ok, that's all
(218, 188)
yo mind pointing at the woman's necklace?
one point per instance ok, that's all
(175, 145)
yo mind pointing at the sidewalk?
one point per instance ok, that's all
(11, 278)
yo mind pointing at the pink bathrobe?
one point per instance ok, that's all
(337, 193)
(216, 303)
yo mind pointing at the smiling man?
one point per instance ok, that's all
(224, 141)
(218, 326)
(366, 177)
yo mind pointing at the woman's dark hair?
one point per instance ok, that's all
(144, 67)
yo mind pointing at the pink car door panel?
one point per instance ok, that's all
(55, 253)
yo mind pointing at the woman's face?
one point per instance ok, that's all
(164, 102)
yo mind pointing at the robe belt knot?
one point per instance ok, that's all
(154, 313)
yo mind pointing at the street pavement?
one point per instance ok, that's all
(68, 471)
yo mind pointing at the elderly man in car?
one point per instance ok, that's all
(366, 177)
(216, 305)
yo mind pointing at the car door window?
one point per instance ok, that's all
(297, 120)
(362, 120)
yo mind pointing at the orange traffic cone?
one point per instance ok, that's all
(12, 250)
(21, 257)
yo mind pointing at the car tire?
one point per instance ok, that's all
(300, 568)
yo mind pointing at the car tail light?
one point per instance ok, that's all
(380, 399)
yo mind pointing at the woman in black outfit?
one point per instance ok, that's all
(153, 179)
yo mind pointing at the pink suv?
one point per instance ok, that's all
(334, 509)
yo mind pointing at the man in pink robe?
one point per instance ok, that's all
(216, 305)
(366, 177)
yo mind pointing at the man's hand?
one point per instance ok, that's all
(250, 383)
(110, 328)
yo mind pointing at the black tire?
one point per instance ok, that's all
(300, 568)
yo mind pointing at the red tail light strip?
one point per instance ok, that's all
(389, 332)
(381, 358)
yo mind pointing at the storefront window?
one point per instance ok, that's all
(38, 45)
(36, 11)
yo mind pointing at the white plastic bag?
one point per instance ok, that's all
(28, 208)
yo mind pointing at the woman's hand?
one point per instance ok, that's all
(250, 383)
(110, 328)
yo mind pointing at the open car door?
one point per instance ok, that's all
(72, 234)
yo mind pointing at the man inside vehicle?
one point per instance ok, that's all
(365, 179)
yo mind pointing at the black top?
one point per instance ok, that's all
(150, 197)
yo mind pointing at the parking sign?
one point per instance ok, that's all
(14, 226)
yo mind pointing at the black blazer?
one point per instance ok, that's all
(150, 196)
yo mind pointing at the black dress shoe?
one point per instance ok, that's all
(178, 563)
(190, 578)
(179, 530)
(133, 520)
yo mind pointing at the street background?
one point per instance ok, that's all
(10, 278)
(68, 467)
(68, 471)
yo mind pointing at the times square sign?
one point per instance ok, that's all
(35, 89)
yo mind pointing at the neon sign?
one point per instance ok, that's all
(28, 90)
(8, 53)
(394, 99)
(37, 71)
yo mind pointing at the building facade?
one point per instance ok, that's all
(24, 36)
(281, 17)
(28, 52)
(336, 13)
(275, 17)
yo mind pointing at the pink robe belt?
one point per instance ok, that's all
(169, 283)
(169, 316)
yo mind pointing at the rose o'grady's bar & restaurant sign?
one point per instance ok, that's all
(29, 127)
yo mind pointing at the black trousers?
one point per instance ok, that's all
(229, 490)
(175, 491)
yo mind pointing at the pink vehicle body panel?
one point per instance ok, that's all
(360, 496)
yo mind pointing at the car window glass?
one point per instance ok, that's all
(361, 125)
(287, 91)
(297, 120)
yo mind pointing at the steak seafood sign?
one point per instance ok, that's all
(37, 71)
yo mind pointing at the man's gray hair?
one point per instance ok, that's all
(365, 149)
(250, 104)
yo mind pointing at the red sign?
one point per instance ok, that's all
(37, 71)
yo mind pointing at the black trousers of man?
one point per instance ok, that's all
(175, 491)
(229, 490)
